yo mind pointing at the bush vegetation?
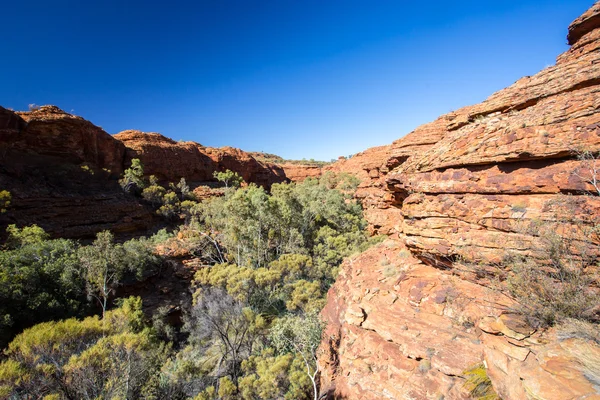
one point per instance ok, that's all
(559, 278)
(253, 327)
(43, 279)
(478, 383)
(5, 198)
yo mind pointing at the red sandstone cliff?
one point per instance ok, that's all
(407, 318)
(170, 160)
(61, 171)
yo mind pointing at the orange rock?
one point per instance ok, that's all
(457, 194)
(299, 172)
(61, 172)
(169, 160)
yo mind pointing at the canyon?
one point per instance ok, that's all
(62, 172)
(408, 317)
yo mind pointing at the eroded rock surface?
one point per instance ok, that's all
(406, 319)
(62, 171)
(169, 160)
(299, 172)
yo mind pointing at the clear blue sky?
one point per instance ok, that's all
(302, 79)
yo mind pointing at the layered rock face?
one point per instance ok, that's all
(53, 133)
(370, 167)
(398, 328)
(299, 172)
(169, 160)
(408, 318)
(61, 171)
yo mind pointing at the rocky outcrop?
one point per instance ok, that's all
(253, 171)
(398, 328)
(370, 167)
(61, 171)
(50, 132)
(299, 172)
(524, 143)
(457, 196)
(169, 160)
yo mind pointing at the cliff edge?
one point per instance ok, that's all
(459, 197)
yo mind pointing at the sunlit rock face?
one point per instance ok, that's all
(406, 319)
(62, 171)
(169, 160)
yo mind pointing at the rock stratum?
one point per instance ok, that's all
(62, 172)
(407, 318)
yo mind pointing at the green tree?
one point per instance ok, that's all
(300, 335)
(229, 178)
(133, 177)
(39, 281)
(102, 267)
(104, 263)
(24, 236)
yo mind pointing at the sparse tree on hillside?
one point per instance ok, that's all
(102, 267)
(229, 178)
(133, 177)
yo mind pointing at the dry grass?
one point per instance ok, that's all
(560, 278)
(478, 383)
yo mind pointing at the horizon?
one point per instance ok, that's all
(308, 81)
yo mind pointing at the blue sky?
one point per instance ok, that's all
(301, 79)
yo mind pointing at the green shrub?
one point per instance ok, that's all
(229, 178)
(19, 237)
(5, 198)
(133, 177)
(39, 281)
(109, 358)
(478, 383)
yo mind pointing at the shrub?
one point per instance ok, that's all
(479, 384)
(559, 278)
(24, 236)
(92, 358)
(5, 198)
(229, 178)
(154, 194)
(39, 281)
(133, 177)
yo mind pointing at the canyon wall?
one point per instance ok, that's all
(407, 318)
(62, 172)
(169, 160)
